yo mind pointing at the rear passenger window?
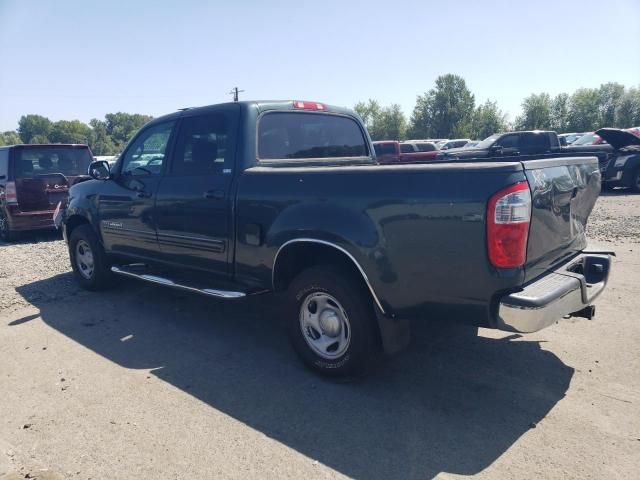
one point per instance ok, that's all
(201, 146)
(534, 142)
(284, 135)
(509, 141)
(32, 161)
(406, 148)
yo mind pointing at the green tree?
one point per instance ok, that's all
(99, 139)
(39, 138)
(560, 113)
(584, 112)
(9, 138)
(369, 111)
(609, 97)
(383, 123)
(628, 114)
(391, 124)
(444, 111)
(69, 131)
(536, 113)
(30, 126)
(121, 126)
(487, 120)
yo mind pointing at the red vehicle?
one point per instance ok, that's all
(33, 179)
(391, 151)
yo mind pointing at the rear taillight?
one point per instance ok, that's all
(10, 195)
(508, 217)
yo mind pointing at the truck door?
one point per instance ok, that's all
(194, 198)
(127, 204)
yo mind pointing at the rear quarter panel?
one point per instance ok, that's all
(418, 231)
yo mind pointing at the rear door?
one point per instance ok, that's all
(127, 204)
(194, 199)
(563, 193)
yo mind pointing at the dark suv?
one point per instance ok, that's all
(33, 179)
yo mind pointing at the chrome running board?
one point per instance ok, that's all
(211, 292)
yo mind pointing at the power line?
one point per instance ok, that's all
(235, 93)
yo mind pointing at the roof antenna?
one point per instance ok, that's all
(235, 93)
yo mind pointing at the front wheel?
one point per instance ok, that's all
(331, 322)
(88, 259)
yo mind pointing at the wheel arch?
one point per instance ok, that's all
(297, 254)
(72, 222)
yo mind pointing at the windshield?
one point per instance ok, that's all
(487, 142)
(589, 139)
(69, 161)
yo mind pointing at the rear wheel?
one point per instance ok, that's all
(88, 259)
(6, 234)
(330, 322)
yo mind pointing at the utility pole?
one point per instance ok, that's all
(235, 93)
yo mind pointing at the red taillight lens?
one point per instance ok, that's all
(10, 193)
(508, 217)
(299, 105)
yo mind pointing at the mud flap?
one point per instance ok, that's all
(395, 334)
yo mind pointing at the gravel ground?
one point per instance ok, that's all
(144, 382)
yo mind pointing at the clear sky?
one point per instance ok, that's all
(69, 59)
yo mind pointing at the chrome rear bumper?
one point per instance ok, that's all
(568, 290)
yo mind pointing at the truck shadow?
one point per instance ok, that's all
(36, 236)
(453, 402)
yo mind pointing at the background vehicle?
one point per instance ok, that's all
(509, 144)
(457, 143)
(413, 146)
(471, 144)
(569, 138)
(589, 138)
(249, 197)
(33, 179)
(623, 166)
(436, 141)
(392, 151)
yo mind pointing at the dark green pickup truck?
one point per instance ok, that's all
(281, 196)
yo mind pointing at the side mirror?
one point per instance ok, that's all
(100, 170)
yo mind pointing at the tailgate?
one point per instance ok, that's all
(42, 192)
(563, 193)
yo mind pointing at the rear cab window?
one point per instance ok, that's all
(32, 162)
(305, 135)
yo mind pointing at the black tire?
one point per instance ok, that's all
(635, 181)
(6, 234)
(355, 306)
(100, 276)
